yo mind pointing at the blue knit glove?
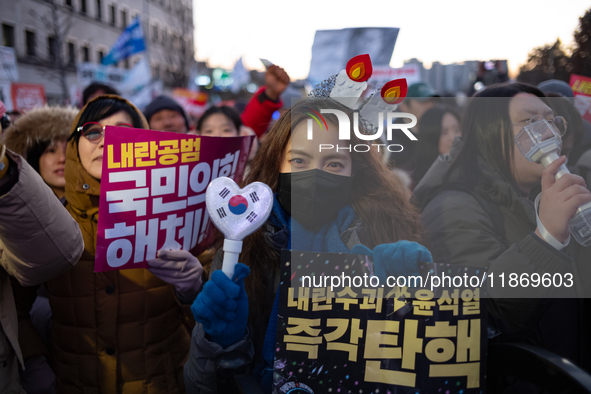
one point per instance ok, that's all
(398, 259)
(222, 306)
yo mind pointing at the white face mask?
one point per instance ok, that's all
(538, 140)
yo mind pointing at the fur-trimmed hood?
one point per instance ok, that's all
(39, 125)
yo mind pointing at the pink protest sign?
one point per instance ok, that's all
(581, 87)
(153, 193)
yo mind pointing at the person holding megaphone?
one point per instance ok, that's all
(480, 208)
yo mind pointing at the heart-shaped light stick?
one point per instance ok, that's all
(237, 213)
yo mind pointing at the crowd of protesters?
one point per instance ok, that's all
(462, 190)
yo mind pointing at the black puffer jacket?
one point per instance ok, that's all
(492, 225)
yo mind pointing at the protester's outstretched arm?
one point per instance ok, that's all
(221, 311)
(259, 111)
(38, 237)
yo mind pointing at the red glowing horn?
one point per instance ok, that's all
(395, 91)
(359, 68)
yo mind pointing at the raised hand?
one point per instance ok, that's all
(276, 81)
(560, 200)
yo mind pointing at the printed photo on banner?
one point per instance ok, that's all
(381, 339)
(153, 193)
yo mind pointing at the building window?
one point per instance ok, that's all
(155, 33)
(156, 72)
(83, 7)
(126, 63)
(8, 35)
(99, 14)
(101, 55)
(86, 54)
(30, 43)
(113, 22)
(99, 10)
(51, 49)
(123, 19)
(164, 36)
(68, 3)
(71, 53)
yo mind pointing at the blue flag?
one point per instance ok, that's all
(131, 41)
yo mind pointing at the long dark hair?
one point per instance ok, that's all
(228, 112)
(35, 152)
(487, 132)
(427, 148)
(377, 196)
(103, 107)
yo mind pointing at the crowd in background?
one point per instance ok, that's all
(461, 194)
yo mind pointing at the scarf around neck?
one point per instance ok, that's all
(326, 239)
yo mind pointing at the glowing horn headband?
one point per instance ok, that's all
(347, 86)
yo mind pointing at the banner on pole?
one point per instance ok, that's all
(91, 72)
(384, 74)
(581, 87)
(26, 96)
(333, 48)
(193, 102)
(131, 41)
(8, 69)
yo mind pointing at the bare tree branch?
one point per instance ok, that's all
(183, 53)
(58, 22)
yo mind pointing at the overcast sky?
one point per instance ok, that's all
(430, 30)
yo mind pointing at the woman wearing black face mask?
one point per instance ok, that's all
(327, 200)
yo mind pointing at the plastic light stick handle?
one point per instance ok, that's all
(232, 250)
(562, 170)
(549, 159)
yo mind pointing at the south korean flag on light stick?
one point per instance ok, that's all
(237, 213)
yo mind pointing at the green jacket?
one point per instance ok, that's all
(492, 225)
